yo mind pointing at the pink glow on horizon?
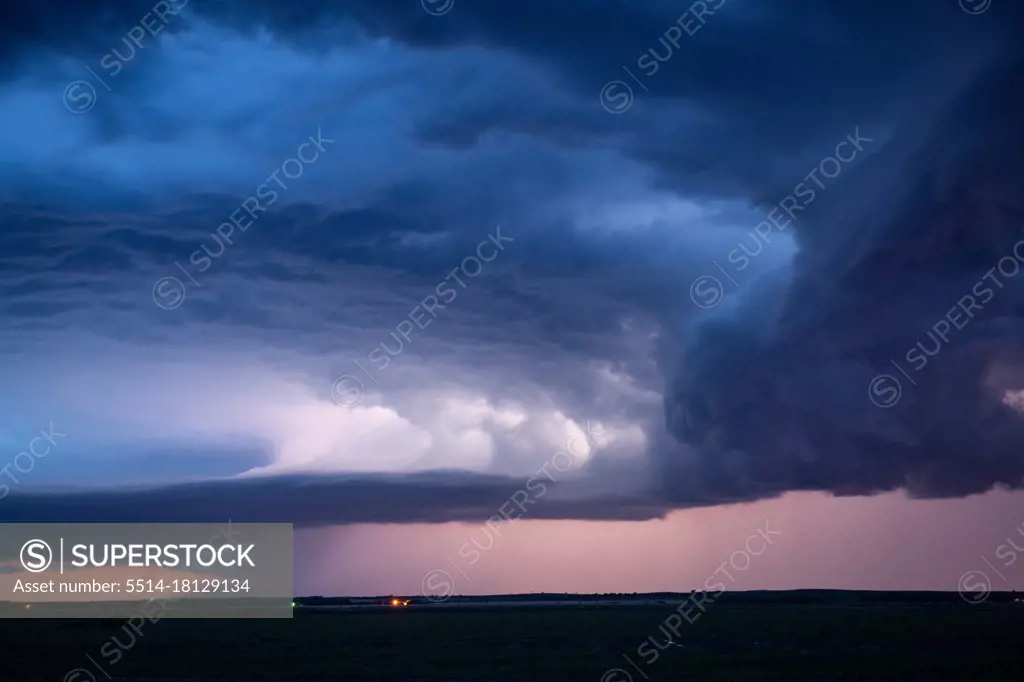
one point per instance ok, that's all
(876, 543)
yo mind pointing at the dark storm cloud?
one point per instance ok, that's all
(764, 84)
(309, 501)
(889, 363)
(74, 28)
(502, 124)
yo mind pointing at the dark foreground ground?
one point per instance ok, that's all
(729, 642)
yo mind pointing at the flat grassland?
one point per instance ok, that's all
(727, 643)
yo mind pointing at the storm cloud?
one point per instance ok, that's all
(357, 261)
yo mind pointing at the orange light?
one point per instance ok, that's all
(395, 602)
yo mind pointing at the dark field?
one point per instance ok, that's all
(728, 642)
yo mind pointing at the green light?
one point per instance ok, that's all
(293, 605)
